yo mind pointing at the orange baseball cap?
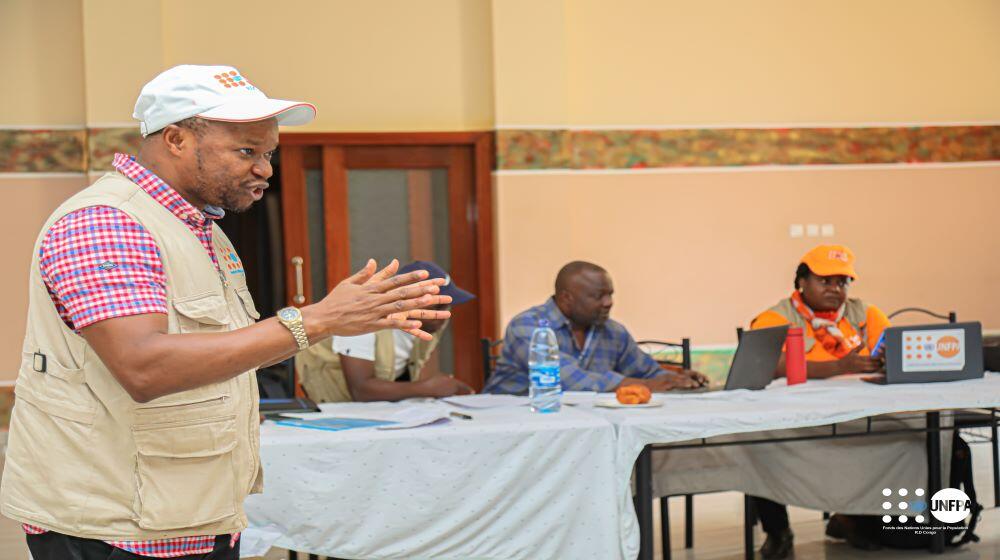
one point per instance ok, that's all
(831, 260)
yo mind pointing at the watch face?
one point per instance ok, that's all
(288, 314)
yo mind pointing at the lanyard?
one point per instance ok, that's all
(586, 343)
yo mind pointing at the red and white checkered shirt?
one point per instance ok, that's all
(98, 263)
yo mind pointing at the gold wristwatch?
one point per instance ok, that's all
(291, 317)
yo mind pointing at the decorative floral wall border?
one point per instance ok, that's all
(82, 150)
(64, 151)
(43, 151)
(724, 147)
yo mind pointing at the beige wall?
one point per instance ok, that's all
(42, 71)
(119, 58)
(656, 62)
(427, 67)
(700, 253)
(28, 203)
(374, 65)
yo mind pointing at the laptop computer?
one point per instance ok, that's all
(757, 358)
(755, 362)
(931, 353)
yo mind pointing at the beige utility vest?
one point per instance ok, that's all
(322, 376)
(85, 459)
(855, 311)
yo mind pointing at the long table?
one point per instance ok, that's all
(691, 418)
(511, 484)
(508, 484)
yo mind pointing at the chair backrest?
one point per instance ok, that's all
(490, 351)
(951, 317)
(665, 352)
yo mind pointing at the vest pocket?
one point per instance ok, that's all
(48, 364)
(185, 473)
(247, 300)
(202, 313)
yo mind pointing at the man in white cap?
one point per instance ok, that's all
(135, 432)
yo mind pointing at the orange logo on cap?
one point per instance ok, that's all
(836, 255)
(948, 346)
(232, 79)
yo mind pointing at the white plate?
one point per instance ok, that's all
(613, 403)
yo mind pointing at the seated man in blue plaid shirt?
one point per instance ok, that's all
(597, 353)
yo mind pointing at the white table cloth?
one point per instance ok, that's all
(780, 407)
(511, 484)
(508, 484)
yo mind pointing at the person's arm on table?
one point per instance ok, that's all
(150, 363)
(640, 368)
(365, 387)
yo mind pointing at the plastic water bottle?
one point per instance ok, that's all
(545, 393)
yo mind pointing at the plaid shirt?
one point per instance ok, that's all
(610, 356)
(98, 263)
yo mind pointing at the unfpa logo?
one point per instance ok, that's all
(948, 346)
(914, 506)
(233, 79)
(950, 505)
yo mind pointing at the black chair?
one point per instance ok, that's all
(672, 354)
(951, 317)
(490, 352)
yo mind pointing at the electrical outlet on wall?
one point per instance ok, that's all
(826, 230)
(796, 231)
(812, 230)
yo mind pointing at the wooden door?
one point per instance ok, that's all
(421, 196)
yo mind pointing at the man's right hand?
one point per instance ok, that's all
(371, 301)
(664, 382)
(856, 363)
(441, 386)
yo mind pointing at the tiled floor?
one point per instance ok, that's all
(719, 530)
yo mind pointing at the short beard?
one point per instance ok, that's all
(224, 198)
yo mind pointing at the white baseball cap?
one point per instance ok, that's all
(218, 93)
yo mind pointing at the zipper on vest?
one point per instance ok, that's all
(188, 404)
(222, 277)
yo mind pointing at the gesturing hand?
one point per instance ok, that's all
(370, 301)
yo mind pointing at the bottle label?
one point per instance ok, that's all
(545, 375)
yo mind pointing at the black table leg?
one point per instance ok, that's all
(934, 471)
(749, 520)
(996, 459)
(688, 521)
(665, 527)
(644, 502)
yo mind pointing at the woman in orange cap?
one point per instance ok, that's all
(839, 331)
(839, 334)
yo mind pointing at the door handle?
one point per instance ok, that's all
(299, 298)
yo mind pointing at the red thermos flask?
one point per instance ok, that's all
(795, 357)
